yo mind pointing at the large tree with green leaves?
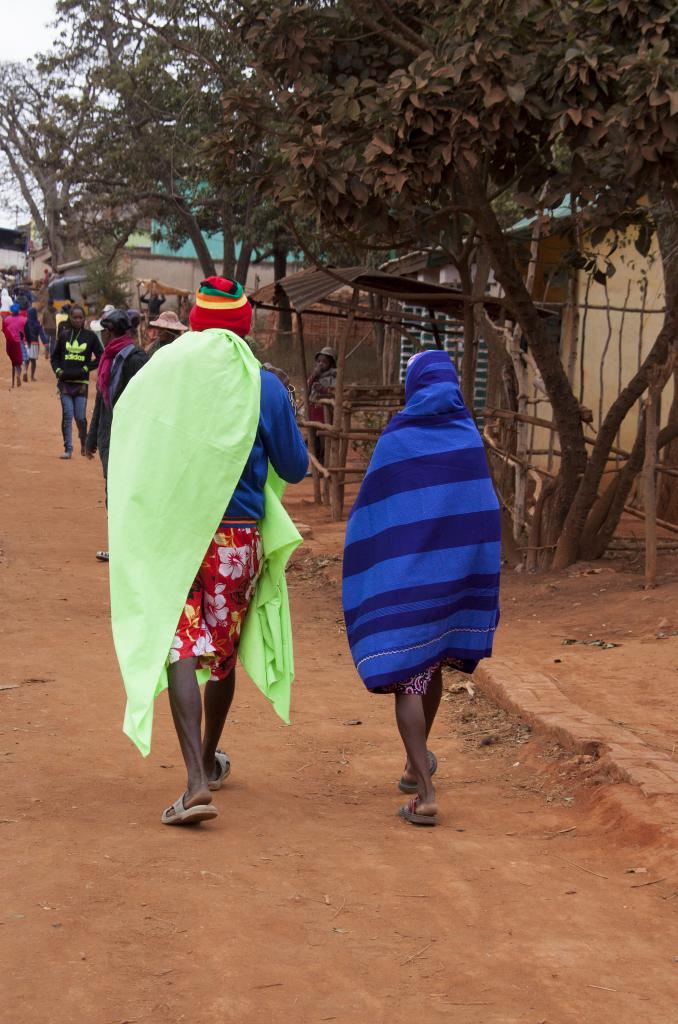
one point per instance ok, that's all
(399, 116)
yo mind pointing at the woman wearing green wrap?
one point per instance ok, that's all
(207, 635)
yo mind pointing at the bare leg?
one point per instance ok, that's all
(184, 695)
(218, 699)
(33, 366)
(431, 703)
(412, 726)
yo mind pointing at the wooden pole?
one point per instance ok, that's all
(322, 470)
(652, 407)
(650, 488)
(311, 432)
(570, 322)
(336, 503)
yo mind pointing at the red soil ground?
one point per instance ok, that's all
(308, 900)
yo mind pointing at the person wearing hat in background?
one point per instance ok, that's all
(77, 351)
(189, 490)
(166, 329)
(95, 325)
(321, 384)
(121, 360)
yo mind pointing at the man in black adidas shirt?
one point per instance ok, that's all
(77, 351)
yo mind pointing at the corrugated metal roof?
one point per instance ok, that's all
(309, 287)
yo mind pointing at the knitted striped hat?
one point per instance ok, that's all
(221, 303)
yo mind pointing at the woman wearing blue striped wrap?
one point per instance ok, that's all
(422, 561)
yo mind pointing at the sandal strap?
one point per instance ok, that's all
(178, 806)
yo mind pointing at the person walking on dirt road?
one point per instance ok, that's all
(12, 337)
(193, 437)
(14, 327)
(77, 351)
(421, 563)
(121, 360)
(34, 334)
(49, 326)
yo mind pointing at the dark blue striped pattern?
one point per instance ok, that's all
(446, 467)
(399, 600)
(459, 531)
(425, 587)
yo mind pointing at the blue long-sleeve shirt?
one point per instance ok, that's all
(279, 440)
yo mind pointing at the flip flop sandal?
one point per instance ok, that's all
(177, 814)
(411, 787)
(224, 766)
(409, 813)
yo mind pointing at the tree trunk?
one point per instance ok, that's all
(474, 285)
(228, 262)
(193, 231)
(605, 515)
(242, 267)
(666, 221)
(468, 365)
(546, 355)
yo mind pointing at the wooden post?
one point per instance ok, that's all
(311, 433)
(521, 439)
(570, 321)
(652, 406)
(344, 443)
(650, 487)
(336, 504)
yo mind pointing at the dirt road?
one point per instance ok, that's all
(307, 901)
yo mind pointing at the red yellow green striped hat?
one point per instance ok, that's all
(220, 302)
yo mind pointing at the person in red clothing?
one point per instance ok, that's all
(14, 327)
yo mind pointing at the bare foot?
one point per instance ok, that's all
(199, 796)
(408, 780)
(420, 812)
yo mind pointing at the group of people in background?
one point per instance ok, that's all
(23, 333)
(77, 345)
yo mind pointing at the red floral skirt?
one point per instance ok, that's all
(216, 606)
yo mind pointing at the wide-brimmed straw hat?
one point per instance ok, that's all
(170, 321)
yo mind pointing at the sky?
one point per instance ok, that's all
(33, 35)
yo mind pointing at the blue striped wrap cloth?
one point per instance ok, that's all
(422, 554)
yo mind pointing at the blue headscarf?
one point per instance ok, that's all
(422, 555)
(14, 308)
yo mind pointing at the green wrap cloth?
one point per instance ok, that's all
(182, 433)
